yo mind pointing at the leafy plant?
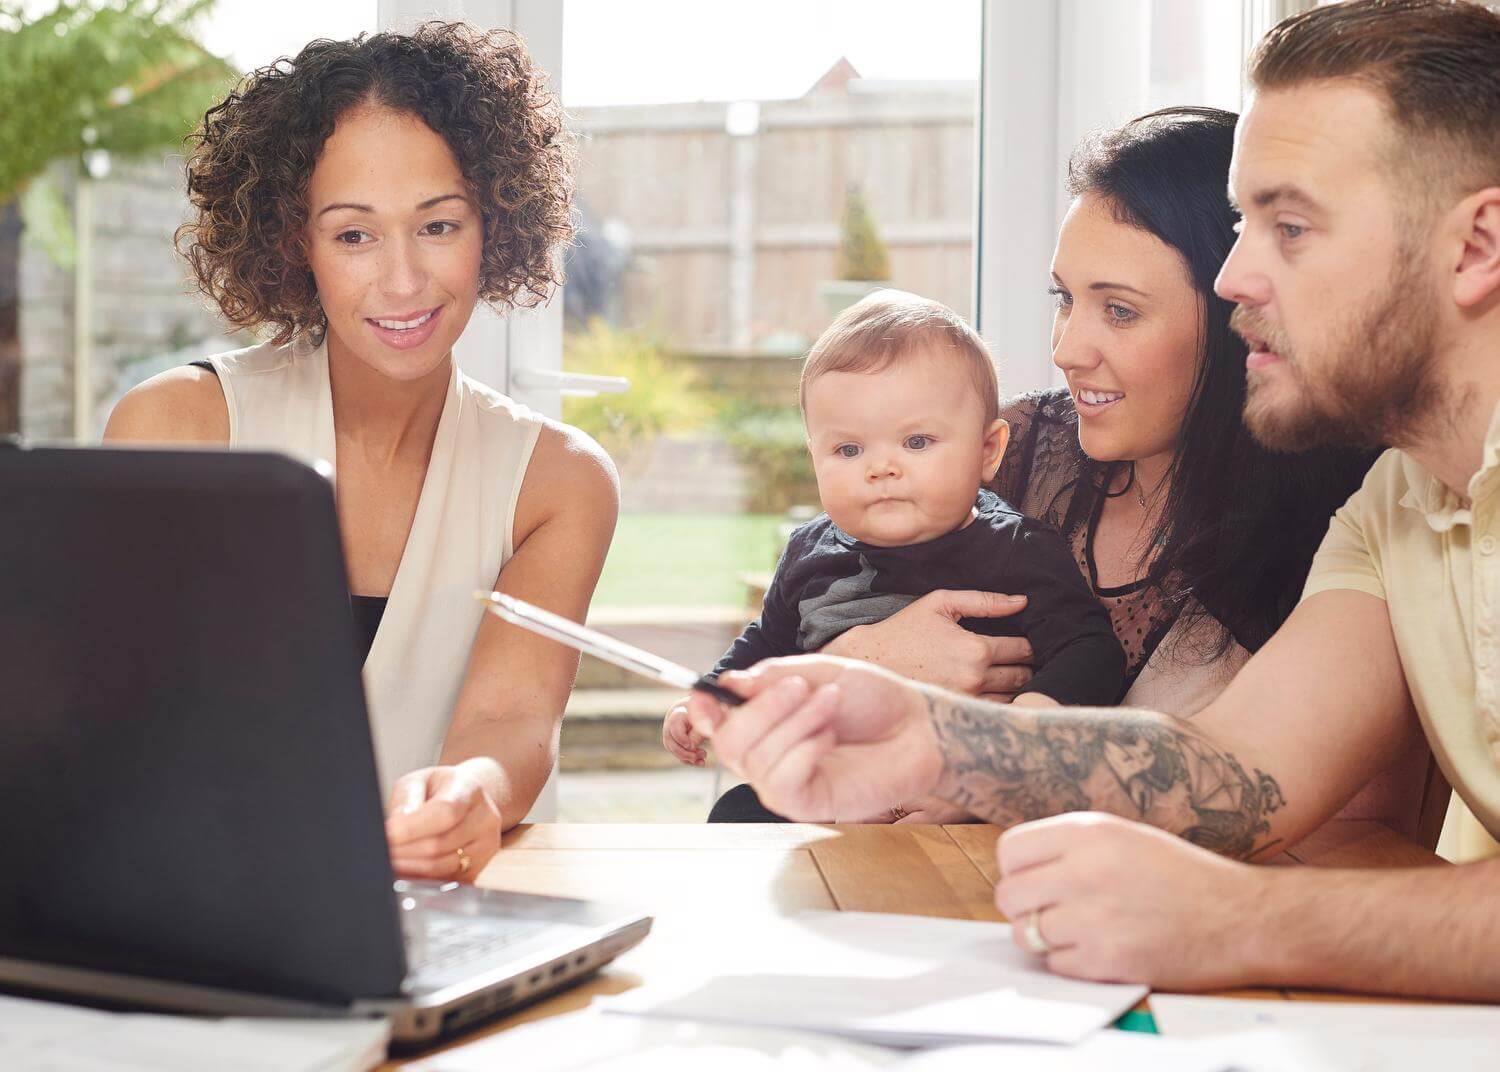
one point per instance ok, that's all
(863, 255)
(664, 396)
(771, 442)
(124, 76)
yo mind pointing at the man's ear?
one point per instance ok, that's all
(996, 436)
(1476, 277)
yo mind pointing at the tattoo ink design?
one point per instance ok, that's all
(1011, 765)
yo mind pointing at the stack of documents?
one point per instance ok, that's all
(890, 979)
(39, 1035)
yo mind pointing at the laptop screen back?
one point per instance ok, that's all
(188, 788)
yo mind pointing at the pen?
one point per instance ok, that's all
(556, 627)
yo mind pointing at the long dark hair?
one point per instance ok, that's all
(1240, 524)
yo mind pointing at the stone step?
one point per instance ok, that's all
(611, 706)
(695, 637)
(616, 729)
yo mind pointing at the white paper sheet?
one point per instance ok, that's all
(895, 980)
(591, 1041)
(1186, 1014)
(54, 1037)
(1125, 1051)
(1374, 1037)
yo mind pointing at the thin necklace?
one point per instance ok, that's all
(1158, 539)
(1135, 485)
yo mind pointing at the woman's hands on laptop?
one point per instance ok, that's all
(444, 823)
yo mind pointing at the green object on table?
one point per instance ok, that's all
(1136, 1020)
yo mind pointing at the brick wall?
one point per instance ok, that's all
(143, 307)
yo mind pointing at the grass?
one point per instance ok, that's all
(686, 560)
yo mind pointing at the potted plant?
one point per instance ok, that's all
(864, 263)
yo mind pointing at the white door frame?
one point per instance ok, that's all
(519, 353)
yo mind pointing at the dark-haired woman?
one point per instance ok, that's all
(357, 202)
(1194, 537)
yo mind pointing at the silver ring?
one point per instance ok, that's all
(1031, 934)
(898, 813)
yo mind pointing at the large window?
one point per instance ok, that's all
(744, 171)
(732, 158)
(1053, 71)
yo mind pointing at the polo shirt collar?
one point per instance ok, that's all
(1440, 505)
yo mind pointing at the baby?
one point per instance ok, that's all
(901, 405)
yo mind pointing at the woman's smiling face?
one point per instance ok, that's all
(394, 242)
(1126, 333)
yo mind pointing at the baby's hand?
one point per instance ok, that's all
(680, 738)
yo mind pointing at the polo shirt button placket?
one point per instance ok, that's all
(1486, 595)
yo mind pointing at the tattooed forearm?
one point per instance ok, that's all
(1010, 765)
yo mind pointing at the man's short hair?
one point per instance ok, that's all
(1436, 63)
(891, 325)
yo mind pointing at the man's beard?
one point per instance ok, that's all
(1373, 386)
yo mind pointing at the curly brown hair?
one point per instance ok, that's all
(252, 159)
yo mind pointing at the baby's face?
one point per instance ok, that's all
(900, 453)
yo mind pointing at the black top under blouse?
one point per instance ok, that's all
(368, 610)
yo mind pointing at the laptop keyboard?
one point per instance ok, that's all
(454, 941)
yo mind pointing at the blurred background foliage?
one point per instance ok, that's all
(125, 77)
(122, 77)
(664, 396)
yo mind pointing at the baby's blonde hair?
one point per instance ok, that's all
(888, 325)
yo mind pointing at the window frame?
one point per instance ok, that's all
(1051, 71)
(519, 352)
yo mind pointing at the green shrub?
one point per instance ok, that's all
(664, 396)
(771, 442)
(863, 256)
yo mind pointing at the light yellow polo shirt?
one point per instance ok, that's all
(1434, 557)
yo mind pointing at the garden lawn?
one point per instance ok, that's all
(685, 560)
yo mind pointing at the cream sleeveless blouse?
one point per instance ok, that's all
(279, 399)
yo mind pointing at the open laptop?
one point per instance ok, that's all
(190, 816)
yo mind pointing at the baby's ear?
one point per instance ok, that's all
(996, 436)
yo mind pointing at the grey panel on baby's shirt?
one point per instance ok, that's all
(847, 603)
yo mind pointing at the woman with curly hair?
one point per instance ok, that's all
(355, 203)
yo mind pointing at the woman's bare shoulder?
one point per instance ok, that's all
(569, 475)
(181, 405)
(572, 458)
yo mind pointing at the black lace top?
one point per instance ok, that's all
(1046, 475)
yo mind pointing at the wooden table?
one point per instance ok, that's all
(707, 885)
